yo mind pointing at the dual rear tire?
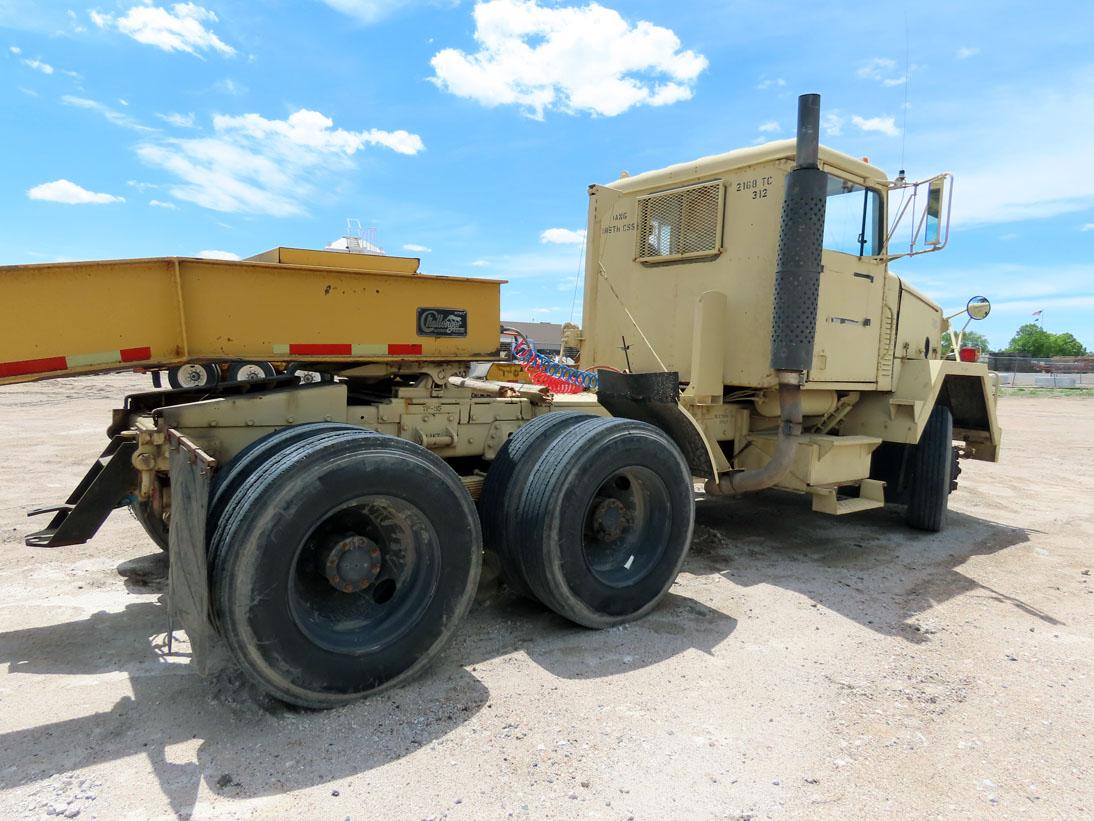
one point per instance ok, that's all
(592, 516)
(341, 560)
(342, 564)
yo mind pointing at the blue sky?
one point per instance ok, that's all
(467, 133)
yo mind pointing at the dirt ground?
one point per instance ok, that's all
(803, 666)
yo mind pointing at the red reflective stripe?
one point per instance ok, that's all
(136, 354)
(403, 350)
(321, 350)
(51, 363)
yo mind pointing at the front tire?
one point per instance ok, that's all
(931, 463)
(344, 567)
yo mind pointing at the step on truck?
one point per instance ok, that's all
(335, 452)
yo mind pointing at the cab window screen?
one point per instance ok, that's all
(852, 219)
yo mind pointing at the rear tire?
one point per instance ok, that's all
(930, 473)
(379, 515)
(606, 518)
(234, 475)
(153, 525)
(505, 483)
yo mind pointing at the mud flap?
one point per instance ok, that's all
(655, 398)
(188, 574)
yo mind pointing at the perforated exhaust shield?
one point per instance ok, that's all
(797, 272)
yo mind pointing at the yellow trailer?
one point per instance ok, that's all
(283, 305)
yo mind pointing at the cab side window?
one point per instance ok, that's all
(852, 218)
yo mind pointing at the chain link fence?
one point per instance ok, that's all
(1016, 371)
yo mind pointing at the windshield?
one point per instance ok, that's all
(852, 218)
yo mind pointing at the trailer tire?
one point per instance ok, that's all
(193, 375)
(378, 515)
(930, 473)
(607, 518)
(249, 371)
(505, 483)
(153, 525)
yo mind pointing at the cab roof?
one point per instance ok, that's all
(741, 158)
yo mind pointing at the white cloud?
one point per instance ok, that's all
(562, 236)
(311, 129)
(770, 127)
(416, 249)
(161, 204)
(74, 21)
(182, 28)
(1088, 227)
(965, 52)
(141, 186)
(214, 254)
(766, 83)
(568, 59)
(367, 11)
(178, 120)
(480, 263)
(881, 70)
(832, 123)
(112, 115)
(882, 125)
(230, 86)
(38, 65)
(123, 101)
(259, 166)
(69, 193)
(15, 49)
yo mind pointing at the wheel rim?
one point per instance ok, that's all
(364, 575)
(192, 376)
(250, 373)
(625, 529)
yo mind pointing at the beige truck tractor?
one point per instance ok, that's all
(330, 466)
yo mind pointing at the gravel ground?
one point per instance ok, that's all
(803, 666)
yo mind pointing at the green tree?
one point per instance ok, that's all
(1066, 345)
(971, 339)
(1032, 340)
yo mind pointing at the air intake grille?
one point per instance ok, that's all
(680, 224)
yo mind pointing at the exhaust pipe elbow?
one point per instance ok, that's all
(790, 429)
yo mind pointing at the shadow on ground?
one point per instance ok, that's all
(869, 568)
(227, 721)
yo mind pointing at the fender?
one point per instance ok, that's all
(966, 388)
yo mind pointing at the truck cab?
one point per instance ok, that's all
(680, 278)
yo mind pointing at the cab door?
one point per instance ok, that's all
(852, 284)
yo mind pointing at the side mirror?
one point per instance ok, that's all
(978, 308)
(932, 234)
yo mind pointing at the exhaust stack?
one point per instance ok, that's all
(801, 235)
(797, 285)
